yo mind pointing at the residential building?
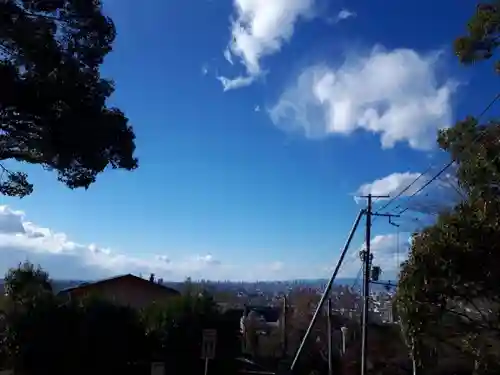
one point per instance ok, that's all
(265, 318)
(125, 290)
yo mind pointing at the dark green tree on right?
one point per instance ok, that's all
(448, 295)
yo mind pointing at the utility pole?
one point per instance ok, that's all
(326, 292)
(367, 262)
(329, 336)
(284, 331)
(344, 330)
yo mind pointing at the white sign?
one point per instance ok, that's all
(208, 344)
(157, 368)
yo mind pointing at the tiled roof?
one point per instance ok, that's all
(115, 278)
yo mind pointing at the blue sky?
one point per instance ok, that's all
(256, 122)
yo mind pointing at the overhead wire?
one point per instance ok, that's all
(439, 173)
(358, 276)
(355, 290)
(420, 189)
(428, 182)
(397, 249)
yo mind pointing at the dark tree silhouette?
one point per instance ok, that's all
(448, 293)
(26, 283)
(53, 109)
(483, 33)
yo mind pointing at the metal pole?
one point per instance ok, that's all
(327, 289)
(206, 366)
(284, 332)
(366, 286)
(344, 339)
(329, 328)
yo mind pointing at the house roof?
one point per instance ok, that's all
(270, 313)
(146, 283)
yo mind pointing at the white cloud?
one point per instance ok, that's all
(345, 14)
(235, 83)
(389, 251)
(63, 258)
(163, 258)
(8, 221)
(260, 29)
(228, 57)
(392, 185)
(277, 266)
(425, 194)
(206, 259)
(395, 94)
(342, 15)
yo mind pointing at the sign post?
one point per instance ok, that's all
(208, 346)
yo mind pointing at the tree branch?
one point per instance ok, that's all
(471, 302)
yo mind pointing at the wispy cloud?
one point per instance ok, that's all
(259, 29)
(341, 16)
(63, 258)
(228, 56)
(235, 83)
(395, 94)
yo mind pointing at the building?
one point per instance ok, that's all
(386, 312)
(263, 318)
(257, 325)
(125, 290)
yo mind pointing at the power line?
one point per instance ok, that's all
(436, 176)
(441, 171)
(404, 190)
(356, 280)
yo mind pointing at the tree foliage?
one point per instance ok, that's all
(91, 335)
(449, 289)
(27, 283)
(53, 108)
(177, 330)
(42, 335)
(483, 33)
(450, 286)
(60, 338)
